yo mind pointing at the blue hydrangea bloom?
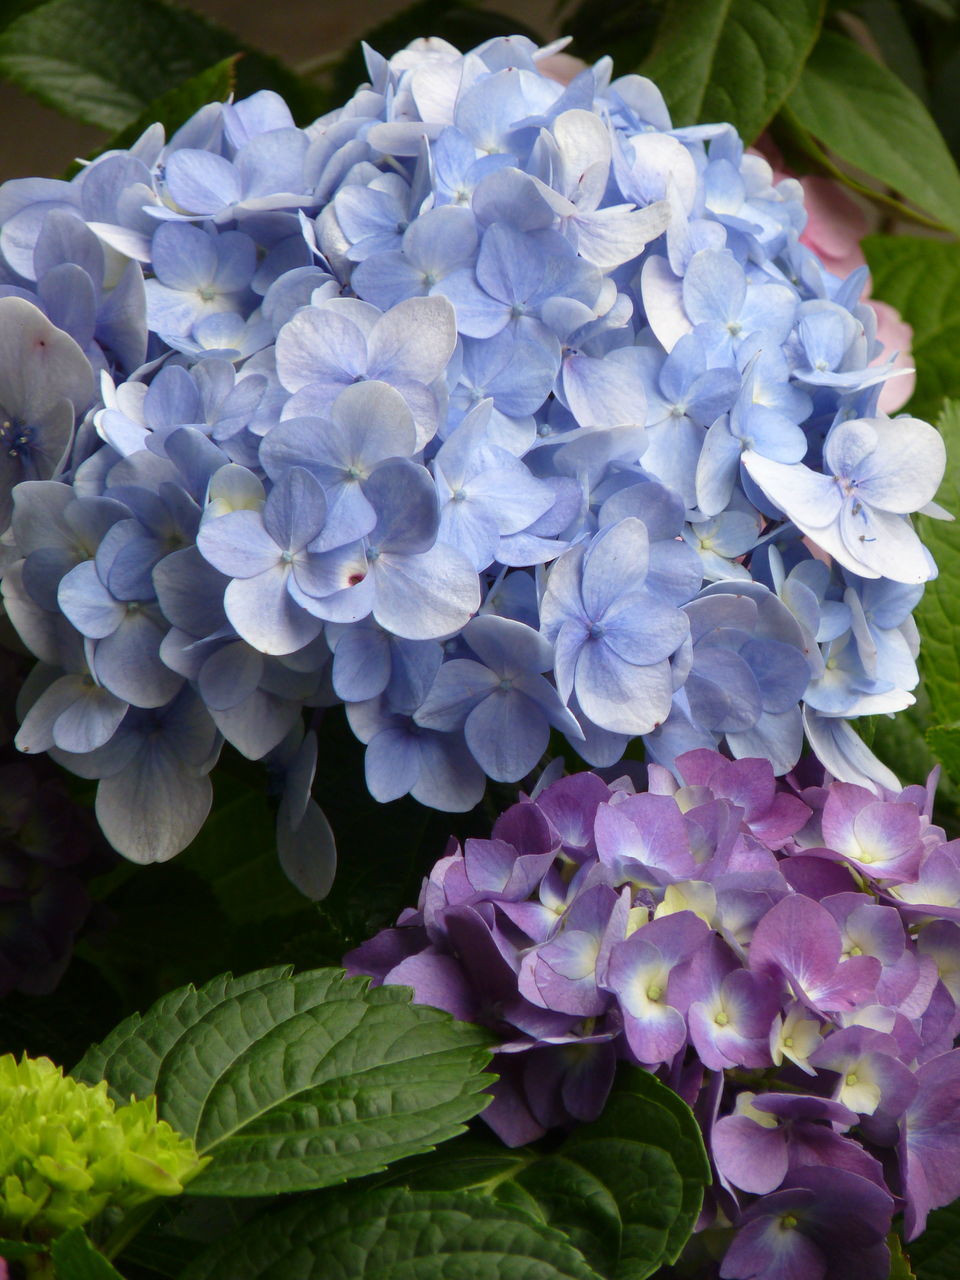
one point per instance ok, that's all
(484, 405)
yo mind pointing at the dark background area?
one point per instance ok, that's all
(38, 142)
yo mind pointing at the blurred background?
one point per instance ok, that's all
(38, 141)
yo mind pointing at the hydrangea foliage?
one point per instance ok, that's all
(485, 405)
(67, 1152)
(782, 954)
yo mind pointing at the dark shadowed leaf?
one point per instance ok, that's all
(626, 1189)
(75, 1258)
(374, 1234)
(77, 56)
(935, 1255)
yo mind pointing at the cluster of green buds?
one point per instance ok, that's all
(67, 1152)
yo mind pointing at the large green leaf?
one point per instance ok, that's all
(921, 278)
(617, 1199)
(733, 60)
(626, 1189)
(646, 1111)
(177, 105)
(864, 114)
(293, 1083)
(388, 1232)
(104, 64)
(75, 1258)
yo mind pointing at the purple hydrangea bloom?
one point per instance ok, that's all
(709, 930)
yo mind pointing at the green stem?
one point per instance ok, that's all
(488, 1187)
(130, 1225)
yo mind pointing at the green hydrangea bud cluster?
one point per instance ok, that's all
(67, 1152)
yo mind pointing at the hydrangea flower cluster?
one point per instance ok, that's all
(67, 1152)
(484, 405)
(782, 954)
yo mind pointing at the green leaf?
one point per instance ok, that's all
(935, 1255)
(891, 34)
(733, 60)
(921, 278)
(625, 1189)
(900, 743)
(76, 55)
(617, 1199)
(104, 67)
(938, 613)
(177, 105)
(17, 1250)
(236, 854)
(180, 1229)
(625, 31)
(648, 1112)
(899, 1262)
(944, 741)
(294, 1083)
(134, 1051)
(364, 1234)
(865, 115)
(75, 1258)
(159, 1254)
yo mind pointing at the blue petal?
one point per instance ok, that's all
(264, 614)
(507, 734)
(621, 697)
(238, 545)
(459, 687)
(153, 808)
(230, 675)
(128, 663)
(425, 597)
(307, 851)
(88, 604)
